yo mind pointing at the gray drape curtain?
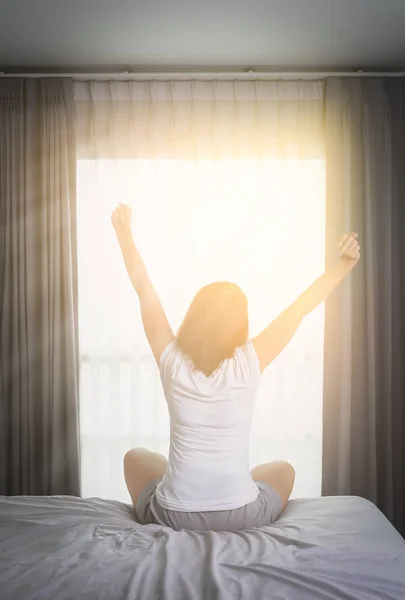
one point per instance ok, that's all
(39, 450)
(364, 392)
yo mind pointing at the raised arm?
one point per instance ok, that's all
(276, 336)
(155, 323)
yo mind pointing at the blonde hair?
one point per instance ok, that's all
(215, 325)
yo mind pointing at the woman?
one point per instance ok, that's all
(210, 374)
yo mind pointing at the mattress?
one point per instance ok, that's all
(68, 548)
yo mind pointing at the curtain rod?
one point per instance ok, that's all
(141, 75)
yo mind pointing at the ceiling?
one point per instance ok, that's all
(271, 34)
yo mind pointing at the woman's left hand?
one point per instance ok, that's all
(121, 218)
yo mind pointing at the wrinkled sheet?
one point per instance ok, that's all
(67, 548)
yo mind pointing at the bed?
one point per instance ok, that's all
(68, 548)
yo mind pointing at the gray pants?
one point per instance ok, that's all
(263, 511)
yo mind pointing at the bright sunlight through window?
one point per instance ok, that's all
(259, 223)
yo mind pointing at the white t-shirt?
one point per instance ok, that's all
(210, 420)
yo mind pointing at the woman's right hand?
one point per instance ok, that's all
(350, 249)
(121, 219)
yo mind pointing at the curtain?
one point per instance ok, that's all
(364, 393)
(199, 119)
(39, 453)
(212, 198)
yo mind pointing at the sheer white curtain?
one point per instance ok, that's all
(256, 220)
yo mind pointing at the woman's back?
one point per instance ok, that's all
(210, 426)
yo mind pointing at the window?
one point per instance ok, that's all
(259, 223)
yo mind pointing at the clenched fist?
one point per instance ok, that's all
(121, 218)
(350, 248)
